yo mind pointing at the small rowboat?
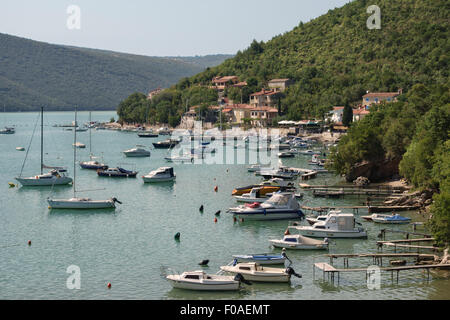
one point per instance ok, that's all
(300, 242)
(388, 219)
(261, 258)
(255, 272)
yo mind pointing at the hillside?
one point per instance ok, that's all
(335, 58)
(59, 77)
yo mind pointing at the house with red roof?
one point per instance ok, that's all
(360, 113)
(265, 98)
(378, 97)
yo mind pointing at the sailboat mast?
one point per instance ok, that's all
(74, 151)
(42, 139)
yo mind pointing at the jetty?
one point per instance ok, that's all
(356, 209)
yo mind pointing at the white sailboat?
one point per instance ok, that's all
(80, 203)
(57, 176)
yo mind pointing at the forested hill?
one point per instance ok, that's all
(335, 58)
(59, 77)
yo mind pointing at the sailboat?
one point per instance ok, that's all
(80, 203)
(92, 164)
(57, 176)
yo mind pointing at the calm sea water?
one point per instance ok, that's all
(133, 245)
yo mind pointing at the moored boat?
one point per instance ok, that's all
(255, 272)
(163, 174)
(299, 242)
(264, 258)
(117, 172)
(137, 152)
(199, 280)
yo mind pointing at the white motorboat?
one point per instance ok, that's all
(257, 168)
(163, 174)
(261, 258)
(20, 149)
(278, 182)
(137, 152)
(8, 130)
(278, 206)
(255, 272)
(79, 145)
(299, 242)
(253, 196)
(282, 172)
(81, 203)
(336, 225)
(199, 280)
(312, 220)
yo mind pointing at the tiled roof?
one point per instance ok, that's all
(278, 80)
(381, 94)
(264, 92)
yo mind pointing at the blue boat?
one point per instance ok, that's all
(392, 219)
(260, 258)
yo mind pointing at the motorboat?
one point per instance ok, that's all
(281, 205)
(117, 172)
(79, 145)
(264, 190)
(137, 152)
(54, 177)
(312, 220)
(8, 130)
(286, 154)
(166, 144)
(257, 167)
(81, 203)
(336, 225)
(93, 165)
(388, 219)
(282, 172)
(255, 272)
(308, 152)
(20, 149)
(253, 196)
(299, 242)
(264, 258)
(181, 159)
(163, 174)
(164, 131)
(148, 134)
(199, 280)
(278, 182)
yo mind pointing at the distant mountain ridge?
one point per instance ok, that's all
(58, 77)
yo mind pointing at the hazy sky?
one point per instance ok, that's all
(159, 28)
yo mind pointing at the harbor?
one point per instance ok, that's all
(130, 246)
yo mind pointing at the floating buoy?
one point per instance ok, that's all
(286, 233)
(29, 242)
(109, 285)
(234, 219)
(217, 213)
(216, 188)
(177, 236)
(215, 220)
(201, 208)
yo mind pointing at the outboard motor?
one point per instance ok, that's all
(292, 272)
(239, 277)
(115, 200)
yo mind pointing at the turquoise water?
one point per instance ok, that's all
(132, 246)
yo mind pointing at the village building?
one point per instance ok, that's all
(335, 115)
(263, 116)
(221, 83)
(153, 93)
(378, 97)
(359, 113)
(280, 84)
(265, 98)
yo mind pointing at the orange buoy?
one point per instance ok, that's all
(216, 188)
(109, 285)
(215, 220)
(29, 242)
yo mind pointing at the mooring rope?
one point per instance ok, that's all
(29, 147)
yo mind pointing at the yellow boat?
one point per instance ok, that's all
(263, 190)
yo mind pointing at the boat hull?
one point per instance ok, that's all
(156, 180)
(136, 155)
(269, 215)
(204, 286)
(259, 276)
(32, 181)
(331, 234)
(297, 246)
(70, 204)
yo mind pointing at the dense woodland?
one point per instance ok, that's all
(35, 74)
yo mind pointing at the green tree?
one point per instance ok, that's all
(347, 116)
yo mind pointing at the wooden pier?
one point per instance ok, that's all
(356, 209)
(330, 270)
(309, 175)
